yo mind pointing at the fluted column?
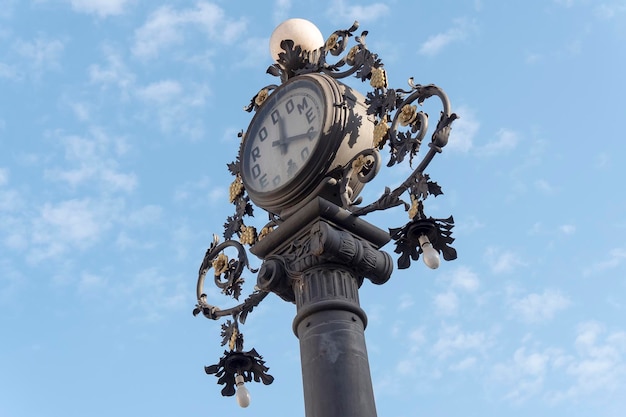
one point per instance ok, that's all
(330, 325)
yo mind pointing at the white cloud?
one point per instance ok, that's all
(544, 186)
(616, 257)
(90, 283)
(435, 43)
(524, 375)
(102, 8)
(70, 224)
(11, 281)
(161, 30)
(115, 72)
(166, 27)
(599, 367)
(145, 215)
(81, 110)
(181, 236)
(4, 176)
(609, 11)
(460, 279)
(14, 228)
(8, 6)
(463, 130)
(406, 367)
(502, 262)
(161, 91)
(540, 307)
(453, 340)
(566, 3)
(206, 59)
(417, 339)
(567, 229)
(446, 303)
(506, 140)
(94, 159)
(76, 219)
(189, 191)
(42, 54)
(281, 10)
(10, 200)
(464, 364)
(532, 58)
(596, 368)
(173, 104)
(255, 53)
(153, 295)
(342, 11)
(8, 71)
(602, 160)
(406, 302)
(464, 278)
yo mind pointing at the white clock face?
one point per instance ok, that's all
(283, 137)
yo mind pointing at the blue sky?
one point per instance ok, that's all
(117, 119)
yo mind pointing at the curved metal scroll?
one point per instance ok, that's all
(402, 144)
(230, 284)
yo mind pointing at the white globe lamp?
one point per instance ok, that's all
(302, 32)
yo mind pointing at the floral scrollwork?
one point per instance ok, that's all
(227, 275)
(260, 97)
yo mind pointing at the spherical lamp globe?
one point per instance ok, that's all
(300, 31)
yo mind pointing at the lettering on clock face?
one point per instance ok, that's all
(283, 139)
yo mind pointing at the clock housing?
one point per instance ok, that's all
(306, 128)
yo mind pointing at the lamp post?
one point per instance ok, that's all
(311, 146)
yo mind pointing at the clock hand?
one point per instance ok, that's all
(283, 134)
(285, 141)
(282, 142)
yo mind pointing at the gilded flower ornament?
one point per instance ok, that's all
(220, 264)
(261, 97)
(350, 58)
(359, 163)
(408, 114)
(331, 42)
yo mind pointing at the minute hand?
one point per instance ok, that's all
(285, 141)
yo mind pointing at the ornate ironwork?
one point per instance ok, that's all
(438, 231)
(400, 127)
(249, 364)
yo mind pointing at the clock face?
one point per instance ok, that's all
(283, 136)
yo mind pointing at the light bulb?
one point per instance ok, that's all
(242, 395)
(429, 254)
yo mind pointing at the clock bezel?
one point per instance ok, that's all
(321, 157)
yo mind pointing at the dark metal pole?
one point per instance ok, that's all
(330, 324)
(319, 258)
